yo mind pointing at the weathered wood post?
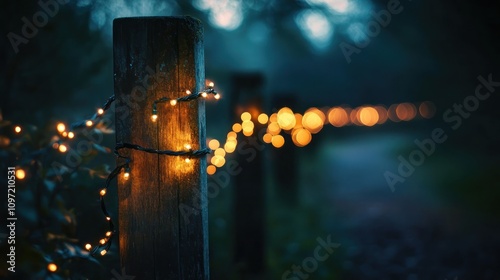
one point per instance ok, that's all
(158, 57)
(249, 192)
(285, 173)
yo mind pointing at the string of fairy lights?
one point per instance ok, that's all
(300, 127)
(105, 243)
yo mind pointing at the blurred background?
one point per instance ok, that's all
(439, 222)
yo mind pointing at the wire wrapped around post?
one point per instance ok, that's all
(106, 242)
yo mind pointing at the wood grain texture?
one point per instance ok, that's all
(158, 57)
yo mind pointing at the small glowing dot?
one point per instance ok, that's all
(103, 252)
(218, 161)
(61, 127)
(230, 147)
(17, 129)
(126, 175)
(204, 94)
(220, 152)
(71, 135)
(65, 134)
(173, 102)
(232, 135)
(52, 267)
(88, 247)
(108, 234)
(102, 241)
(187, 160)
(63, 148)
(188, 92)
(211, 84)
(100, 111)
(102, 192)
(213, 144)
(55, 145)
(89, 123)
(20, 174)
(237, 127)
(217, 96)
(263, 118)
(267, 138)
(187, 146)
(211, 169)
(108, 218)
(246, 116)
(248, 133)
(154, 117)
(278, 141)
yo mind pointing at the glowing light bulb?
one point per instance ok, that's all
(154, 117)
(173, 102)
(89, 123)
(220, 152)
(108, 218)
(88, 247)
(52, 267)
(20, 174)
(187, 146)
(246, 116)
(65, 134)
(61, 127)
(204, 94)
(71, 135)
(187, 160)
(126, 175)
(217, 96)
(102, 241)
(263, 118)
(211, 169)
(236, 127)
(188, 92)
(278, 141)
(17, 129)
(108, 234)
(213, 144)
(102, 192)
(100, 111)
(211, 84)
(63, 148)
(103, 252)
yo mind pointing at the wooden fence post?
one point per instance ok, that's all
(249, 192)
(158, 57)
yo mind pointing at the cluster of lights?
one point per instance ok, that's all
(105, 243)
(302, 127)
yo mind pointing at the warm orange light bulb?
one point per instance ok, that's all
(20, 174)
(61, 127)
(52, 267)
(63, 148)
